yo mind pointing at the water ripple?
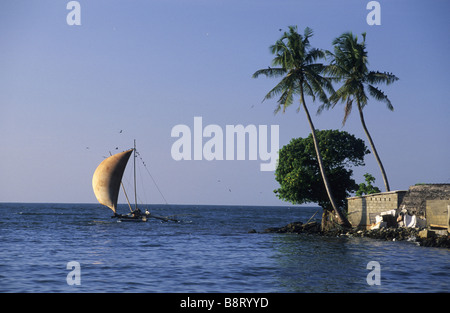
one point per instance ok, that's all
(210, 252)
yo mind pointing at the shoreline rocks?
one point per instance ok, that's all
(388, 234)
(296, 227)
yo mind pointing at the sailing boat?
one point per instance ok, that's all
(107, 180)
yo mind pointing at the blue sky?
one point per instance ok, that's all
(143, 67)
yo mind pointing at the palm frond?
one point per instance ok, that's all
(285, 89)
(335, 72)
(297, 62)
(318, 84)
(277, 90)
(322, 107)
(347, 110)
(361, 96)
(341, 95)
(349, 65)
(308, 89)
(313, 55)
(380, 96)
(286, 99)
(378, 77)
(308, 32)
(270, 72)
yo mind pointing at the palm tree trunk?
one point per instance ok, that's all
(374, 150)
(341, 217)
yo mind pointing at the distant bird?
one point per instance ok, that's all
(229, 189)
(117, 148)
(120, 132)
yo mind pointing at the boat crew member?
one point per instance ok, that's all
(137, 212)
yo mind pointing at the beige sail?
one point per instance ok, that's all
(107, 178)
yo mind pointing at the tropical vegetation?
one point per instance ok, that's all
(349, 65)
(367, 188)
(299, 176)
(303, 74)
(296, 62)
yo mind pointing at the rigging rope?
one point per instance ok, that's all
(157, 187)
(126, 196)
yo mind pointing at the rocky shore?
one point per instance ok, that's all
(422, 237)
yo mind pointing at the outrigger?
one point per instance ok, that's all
(106, 183)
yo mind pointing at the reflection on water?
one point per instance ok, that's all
(321, 264)
(316, 264)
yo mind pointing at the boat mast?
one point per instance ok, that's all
(134, 165)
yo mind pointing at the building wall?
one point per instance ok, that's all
(417, 196)
(438, 214)
(430, 201)
(362, 210)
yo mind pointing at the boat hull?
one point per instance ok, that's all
(127, 218)
(133, 219)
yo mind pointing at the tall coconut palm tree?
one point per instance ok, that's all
(295, 61)
(349, 66)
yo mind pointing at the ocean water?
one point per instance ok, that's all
(209, 250)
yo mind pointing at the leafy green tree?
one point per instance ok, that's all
(349, 65)
(299, 175)
(367, 188)
(295, 61)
